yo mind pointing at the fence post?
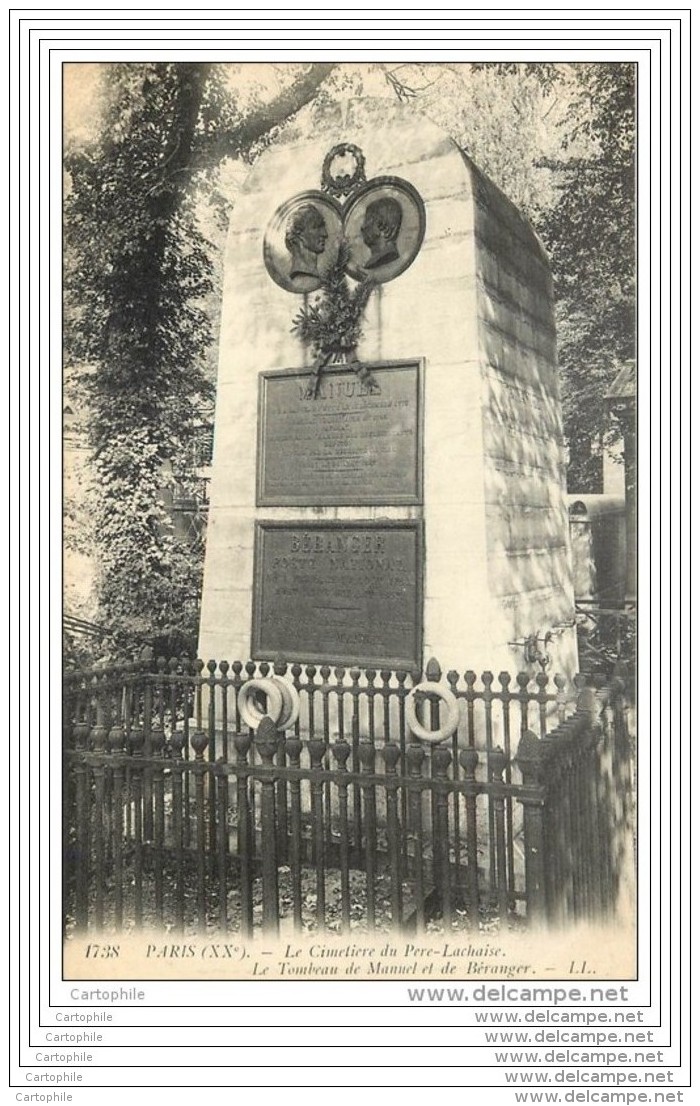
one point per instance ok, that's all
(497, 765)
(529, 760)
(212, 782)
(279, 669)
(401, 693)
(293, 748)
(116, 748)
(199, 742)
(442, 758)
(81, 734)
(243, 742)
(266, 742)
(504, 681)
(98, 738)
(356, 824)
(456, 843)
(625, 772)
(391, 754)
(433, 674)
(221, 795)
(147, 783)
(158, 794)
(317, 750)
(178, 739)
(487, 699)
(341, 752)
(560, 785)
(70, 707)
(586, 740)
(136, 800)
(415, 755)
(469, 759)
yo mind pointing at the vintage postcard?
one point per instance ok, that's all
(351, 499)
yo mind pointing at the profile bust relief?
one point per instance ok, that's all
(305, 237)
(302, 241)
(380, 231)
(384, 225)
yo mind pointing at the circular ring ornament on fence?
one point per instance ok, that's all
(450, 723)
(251, 711)
(290, 703)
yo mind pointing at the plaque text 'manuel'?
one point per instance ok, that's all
(355, 442)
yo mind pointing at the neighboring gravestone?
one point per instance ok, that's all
(408, 501)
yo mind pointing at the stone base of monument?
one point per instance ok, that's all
(419, 511)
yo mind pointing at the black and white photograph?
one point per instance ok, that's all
(350, 502)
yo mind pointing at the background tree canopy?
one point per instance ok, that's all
(148, 148)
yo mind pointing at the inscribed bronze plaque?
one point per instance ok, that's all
(339, 592)
(357, 442)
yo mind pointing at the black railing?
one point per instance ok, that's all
(179, 814)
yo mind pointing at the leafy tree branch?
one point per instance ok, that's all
(138, 271)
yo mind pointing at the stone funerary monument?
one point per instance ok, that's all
(388, 476)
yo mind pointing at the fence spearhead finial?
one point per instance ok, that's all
(586, 700)
(529, 757)
(433, 672)
(266, 739)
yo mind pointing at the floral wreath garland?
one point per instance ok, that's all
(331, 326)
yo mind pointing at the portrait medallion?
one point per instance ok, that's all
(384, 225)
(302, 241)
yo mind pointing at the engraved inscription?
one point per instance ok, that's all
(354, 443)
(339, 592)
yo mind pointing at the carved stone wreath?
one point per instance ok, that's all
(343, 184)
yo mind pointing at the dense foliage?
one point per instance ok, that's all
(591, 236)
(331, 324)
(560, 141)
(138, 271)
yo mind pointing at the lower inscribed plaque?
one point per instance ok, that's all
(339, 592)
(356, 442)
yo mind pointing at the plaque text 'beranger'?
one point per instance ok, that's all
(339, 592)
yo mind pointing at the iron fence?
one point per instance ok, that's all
(179, 815)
